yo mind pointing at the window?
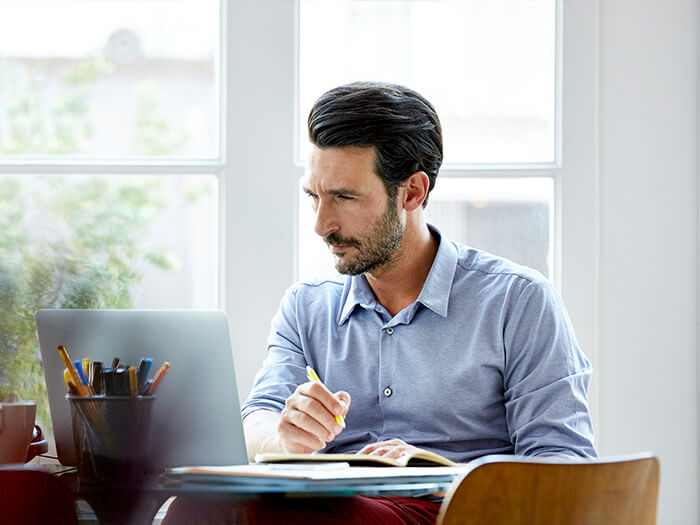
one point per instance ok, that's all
(110, 165)
(489, 69)
(240, 165)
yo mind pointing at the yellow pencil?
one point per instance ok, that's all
(313, 376)
(75, 378)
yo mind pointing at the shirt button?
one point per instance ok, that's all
(387, 392)
(390, 330)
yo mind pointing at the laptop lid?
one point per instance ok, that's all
(196, 418)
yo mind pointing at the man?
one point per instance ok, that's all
(422, 343)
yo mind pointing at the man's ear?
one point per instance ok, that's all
(416, 187)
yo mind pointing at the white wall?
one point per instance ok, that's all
(648, 134)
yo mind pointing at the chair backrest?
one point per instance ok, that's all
(500, 490)
(33, 496)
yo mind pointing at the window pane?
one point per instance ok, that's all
(98, 242)
(487, 66)
(508, 217)
(109, 78)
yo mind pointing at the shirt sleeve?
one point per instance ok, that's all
(284, 367)
(546, 378)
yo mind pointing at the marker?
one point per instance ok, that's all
(74, 377)
(108, 382)
(159, 377)
(121, 382)
(81, 373)
(133, 383)
(86, 369)
(144, 369)
(83, 378)
(96, 377)
(313, 376)
(146, 389)
(66, 378)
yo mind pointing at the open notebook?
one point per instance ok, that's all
(422, 458)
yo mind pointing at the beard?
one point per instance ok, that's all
(375, 250)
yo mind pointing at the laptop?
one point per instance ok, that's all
(196, 417)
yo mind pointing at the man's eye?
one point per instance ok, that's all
(345, 198)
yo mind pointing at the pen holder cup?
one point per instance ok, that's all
(111, 437)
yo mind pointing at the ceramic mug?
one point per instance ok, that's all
(16, 426)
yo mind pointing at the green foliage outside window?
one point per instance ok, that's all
(69, 241)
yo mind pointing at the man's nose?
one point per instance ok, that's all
(326, 222)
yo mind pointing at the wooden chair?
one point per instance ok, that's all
(510, 490)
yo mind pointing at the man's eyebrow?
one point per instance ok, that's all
(342, 191)
(339, 191)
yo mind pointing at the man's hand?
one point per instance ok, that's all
(393, 448)
(307, 422)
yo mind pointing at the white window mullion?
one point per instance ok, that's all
(204, 168)
(499, 172)
(260, 181)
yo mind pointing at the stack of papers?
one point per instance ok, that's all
(303, 476)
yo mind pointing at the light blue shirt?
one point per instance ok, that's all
(485, 361)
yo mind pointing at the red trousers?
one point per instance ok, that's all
(375, 510)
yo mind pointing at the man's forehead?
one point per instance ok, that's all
(348, 166)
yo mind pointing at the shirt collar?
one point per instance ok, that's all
(435, 294)
(356, 292)
(438, 285)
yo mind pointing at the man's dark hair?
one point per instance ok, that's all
(400, 124)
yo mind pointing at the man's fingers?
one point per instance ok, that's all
(318, 412)
(392, 448)
(344, 399)
(296, 438)
(324, 396)
(307, 422)
(395, 452)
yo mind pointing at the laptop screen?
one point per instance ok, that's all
(196, 417)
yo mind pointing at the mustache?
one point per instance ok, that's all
(335, 239)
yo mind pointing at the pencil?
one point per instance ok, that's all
(159, 377)
(313, 376)
(75, 378)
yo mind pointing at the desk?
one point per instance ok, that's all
(130, 505)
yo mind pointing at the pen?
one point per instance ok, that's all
(83, 378)
(144, 369)
(74, 377)
(115, 362)
(313, 376)
(159, 377)
(133, 383)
